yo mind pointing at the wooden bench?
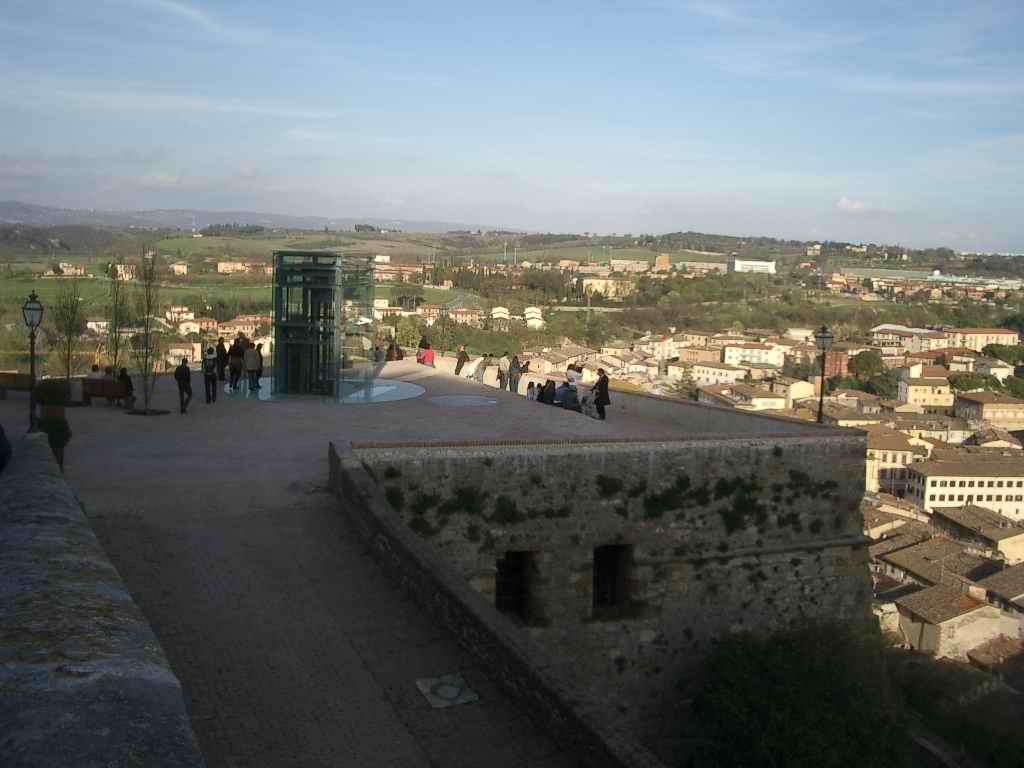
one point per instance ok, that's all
(111, 390)
(19, 382)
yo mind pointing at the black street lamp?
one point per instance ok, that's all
(823, 339)
(32, 311)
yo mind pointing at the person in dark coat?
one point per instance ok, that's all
(183, 376)
(210, 375)
(222, 358)
(424, 344)
(461, 359)
(601, 398)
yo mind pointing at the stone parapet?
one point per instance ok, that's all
(83, 679)
(533, 679)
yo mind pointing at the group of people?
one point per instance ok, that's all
(565, 395)
(107, 374)
(222, 364)
(510, 370)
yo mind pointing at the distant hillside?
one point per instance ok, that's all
(13, 212)
(19, 239)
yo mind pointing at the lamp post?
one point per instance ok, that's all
(32, 311)
(823, 339)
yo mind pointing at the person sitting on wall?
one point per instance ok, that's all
(547, 393)
(425, 355)
(95, 374)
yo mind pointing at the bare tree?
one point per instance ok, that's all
(146, 344)
(117, 314)
(68, 325)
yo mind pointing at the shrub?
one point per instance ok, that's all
(815, 695)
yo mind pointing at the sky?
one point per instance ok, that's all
(888, 121)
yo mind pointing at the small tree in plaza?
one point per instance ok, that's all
(117, 317)
(68, 325)
(147, 342)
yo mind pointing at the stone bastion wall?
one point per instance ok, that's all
(532, 678)
(83, 679)
(712, 535)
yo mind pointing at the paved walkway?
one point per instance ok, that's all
(292, 647)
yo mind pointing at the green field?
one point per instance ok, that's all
(260, 248)
(586, 253)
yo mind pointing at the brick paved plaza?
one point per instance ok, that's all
(292, 646)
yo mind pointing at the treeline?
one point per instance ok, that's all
(231, 230)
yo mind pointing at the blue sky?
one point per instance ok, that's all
(895, 121)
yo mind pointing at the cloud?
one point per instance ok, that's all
(225, 30)
(137, 98)
(954, 88)
(850, 205)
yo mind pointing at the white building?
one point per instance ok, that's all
(382, 258)
(178, 313)
(534, 317)
(996, 484)
(704, 374)
(735, 354)
(179, 268)
(751, 265)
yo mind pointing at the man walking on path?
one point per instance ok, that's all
(251, 358)
(210, 375)
(183, 376)
(222, 358)
(503, 365)
(601, 393)
(461, 359)
(259, 373)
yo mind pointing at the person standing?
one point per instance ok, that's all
(222, 358)
(210, 375)
(515, 370)
(601, 398)
(481, 368)
(428, 356)
(461, 359)
(251, 360)
(503, 366)
(183, 376)
(259, 373)
(129, 389)
(235, 364)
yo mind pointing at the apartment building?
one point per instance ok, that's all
(888, 456)
(982, 530)
(993, 409)
(978, 338)
(630, 265)
(752, 266)
(995, 483)
(737, 353)
(934, 395)
(704, 374)
(609, 287)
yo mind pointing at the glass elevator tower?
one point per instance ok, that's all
(324, 332)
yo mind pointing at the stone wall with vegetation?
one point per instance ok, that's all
(721, 535)
(532, 678)
(83, 679)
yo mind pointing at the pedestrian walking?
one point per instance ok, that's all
(514, 372)
(251, 361)
(210, 375)
(183, 376)
(126, 383)
(259, 373)
(222, 358)
(461, 359)
(601, 398)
